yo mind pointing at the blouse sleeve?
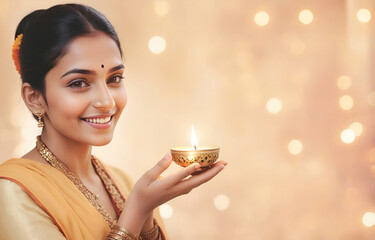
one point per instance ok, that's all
(22, 218)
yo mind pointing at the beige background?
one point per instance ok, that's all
(217, 72)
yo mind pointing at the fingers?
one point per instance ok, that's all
(160, 167)
(195, 181)
(183, 173)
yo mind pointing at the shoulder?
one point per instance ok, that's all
(20, 212)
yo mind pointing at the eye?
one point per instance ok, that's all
(115, 79)
(78, 84)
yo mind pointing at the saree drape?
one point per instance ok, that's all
(58, 197)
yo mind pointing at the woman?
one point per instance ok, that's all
(70, 61)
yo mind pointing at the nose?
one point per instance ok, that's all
(103, 98)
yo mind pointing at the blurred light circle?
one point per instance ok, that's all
(295, 147)
(157, 44)
(363, 15)
(357, 128)
(166, 211)
(344, 82)
(368, 219)
(261, 18)
(347, 136)
(274, 105)
(161, 8)
(306, 16)
(221, 202)
(346, 102)
(371, 99)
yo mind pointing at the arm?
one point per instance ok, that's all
(151, 191)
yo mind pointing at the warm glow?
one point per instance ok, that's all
(221, 202)
(371, 99)
(344, 82)
(368, 219)
(194, 139)
(166, 211)
(306, 16)
(347, 136)
(364, 15)
(346, 102)
(295, 147)
(297, 46)
(261, 18)
(161, 8)
(357, 128)
(274, 105)
(157, 44)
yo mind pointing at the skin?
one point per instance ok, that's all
(73, 96)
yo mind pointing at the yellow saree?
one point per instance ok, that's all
(59, 198)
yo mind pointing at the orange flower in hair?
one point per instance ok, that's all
(16, 52)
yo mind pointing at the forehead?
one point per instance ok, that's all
(90, 51)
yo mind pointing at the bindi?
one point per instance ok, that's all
(102, 66)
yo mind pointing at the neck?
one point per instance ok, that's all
(75, 155)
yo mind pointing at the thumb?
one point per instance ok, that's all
(160, 167)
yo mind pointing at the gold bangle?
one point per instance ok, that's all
(114, 237)
(120, 233)
(151, 234)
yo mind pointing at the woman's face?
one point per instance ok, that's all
(85, 94)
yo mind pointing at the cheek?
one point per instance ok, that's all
(65, 105)
(121, 99)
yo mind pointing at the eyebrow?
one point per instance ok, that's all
(90, 72)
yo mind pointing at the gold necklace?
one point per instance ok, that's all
(112, 189)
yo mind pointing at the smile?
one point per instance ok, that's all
(98, 120)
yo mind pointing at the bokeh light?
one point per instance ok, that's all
(157, 44)
(221, 202)
(347, 136)
(161, 8)
(363, 15)
(344, 82)
(368, 219)
(306, 16)
(357, 128)
(295, 147)
(274, 105)
(261, 18)
(266, 83)
(166, 211)
(346, 102)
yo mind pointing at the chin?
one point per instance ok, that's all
(101, 140)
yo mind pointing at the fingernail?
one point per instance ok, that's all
(196, 166)
(168, 155)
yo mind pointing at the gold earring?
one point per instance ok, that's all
(40, 119)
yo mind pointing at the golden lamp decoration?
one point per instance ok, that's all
(205, 155)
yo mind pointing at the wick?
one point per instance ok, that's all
(102, 66)
(195, 147)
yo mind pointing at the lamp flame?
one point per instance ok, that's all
(194, 140)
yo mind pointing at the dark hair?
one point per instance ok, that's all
(47, 32)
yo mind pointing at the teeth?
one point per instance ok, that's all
(98, 120)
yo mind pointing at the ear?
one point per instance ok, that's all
(33, 99)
